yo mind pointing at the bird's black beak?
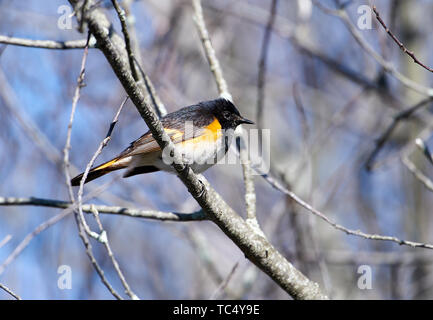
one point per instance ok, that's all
(244, 120)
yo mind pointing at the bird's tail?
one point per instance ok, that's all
(112, 165)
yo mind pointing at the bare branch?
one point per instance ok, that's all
(45, 44)
(399, 43)
(106, 243)
(277, 185)
(256, 248)
(95, 264)
(9, 291)
(417, 173)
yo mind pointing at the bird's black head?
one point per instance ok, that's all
(227, 114)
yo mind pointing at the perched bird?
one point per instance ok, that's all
(202, 134)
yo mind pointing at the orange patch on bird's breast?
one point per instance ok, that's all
(211, 133)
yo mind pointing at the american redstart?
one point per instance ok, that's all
(202, 134)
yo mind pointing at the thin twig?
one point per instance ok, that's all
(95, 264)
(9, 291)
(389, 258)
(45, 44)
(106, 243)
(277, 185)
(90, 164)
(417, 173)
(399, 43)
(261, 78)
(102, 237)
(102, 145)
(121, 15)
(116, 118)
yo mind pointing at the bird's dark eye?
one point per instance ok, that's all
(226, 114)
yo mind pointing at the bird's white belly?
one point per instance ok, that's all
(198, 157)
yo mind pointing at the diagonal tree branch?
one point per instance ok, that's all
(9, 291)
(399, 43)
(278, 186)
